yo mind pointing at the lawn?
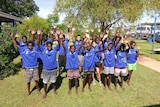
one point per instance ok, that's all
(144, 91)
(146, 49)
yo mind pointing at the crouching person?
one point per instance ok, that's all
(48, 56)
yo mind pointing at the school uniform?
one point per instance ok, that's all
(121, 63)
(48, 58)
(109, 61)
(72, 65)
(132, 59)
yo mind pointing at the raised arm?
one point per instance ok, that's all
(33, 35)
(14, 40)
(39, 33)
(72, 34)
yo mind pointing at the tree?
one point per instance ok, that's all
(53, 19)
(19, 8)
(34, 23)
(104, 12)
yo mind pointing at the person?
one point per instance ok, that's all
(120, 65)
(72, 68)
(64, 39)
(132, 55)
(88, 65)
(109, 62)
(48, 56)
(29, 57)
(79, 44)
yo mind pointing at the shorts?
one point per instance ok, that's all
(120, 72)
(90, 71)
(62, 60)
(108, 70)
(31, 73)
(80, 60)
(73, 73)
(131, 66)
(98, 64)
(49, 75)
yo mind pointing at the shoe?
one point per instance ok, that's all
(100, 83)
(94, 83)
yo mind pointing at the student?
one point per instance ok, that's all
(48, 56)
(120, 66)
(88, 65)
(132, 55)
(72, 67)
(29, 56)
(78, 43)
(109, 62)
(96, 47)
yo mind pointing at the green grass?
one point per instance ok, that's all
(144, 91)
(146, 49)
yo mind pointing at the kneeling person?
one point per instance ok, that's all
(48, 56)
(72, 67)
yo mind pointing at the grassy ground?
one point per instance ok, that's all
(144, 91)
(146, 49)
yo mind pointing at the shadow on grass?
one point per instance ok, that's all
(156, 105)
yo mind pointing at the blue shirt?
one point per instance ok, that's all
(77, 44)
(29, 58)
(109, 58)
(89, 60)
(132, 56)
(48, 40)
(72, 60)
(96, 58)
(22, 46)
(118, 45)
(61, 50)
(49, 57)
(121, 61)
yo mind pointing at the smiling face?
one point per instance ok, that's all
(78, 38)
(49, 46)
(72, 49)
(30, 45)
(24, 39)
(110, 46)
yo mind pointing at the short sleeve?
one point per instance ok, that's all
(56, 48)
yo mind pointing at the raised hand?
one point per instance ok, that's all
(68, 26)
(17, 35)
(92, 30)
(99, 30)
(51, 32)
(73, 29)
(58, 32)
(33, 32)
(11, 34)
(139, 48)
(54, 26)
(29, 30)
(39, 32)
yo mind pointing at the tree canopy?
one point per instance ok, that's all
(104, 12)
(19, 8)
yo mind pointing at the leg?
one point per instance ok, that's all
(94, 83)
(28, 87)
(99, 75)
(54, 88)
(45, 91)
(105, 81)
(116, 81)
(69, 86)
(129, 77)
(109, 82)
(76, 85)
(89, 81)
(122, 82)
(84, 82)
(37, 86)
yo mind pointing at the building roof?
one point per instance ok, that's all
(4, 17)
(151, 24)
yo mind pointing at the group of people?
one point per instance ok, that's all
(88, 55)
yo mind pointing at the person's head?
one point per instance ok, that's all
(132, 44)
(88, 46)
(97, 40)
(78, 38)
(110, 46)
(118, 38)
(45, 37)
(30, 45)
(122, 47)
(24, 39)
(72, 48)
(94, 44)
(49, 45)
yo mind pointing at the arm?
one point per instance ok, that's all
(32, 35)
(14, 40)
(39, 33)
(72, 34)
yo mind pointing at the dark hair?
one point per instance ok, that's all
(49, 43)
(123, 46)
(72, 46)
(30, 42)
(78, 35)
(24, 37)
(131, 42)
(118, 37)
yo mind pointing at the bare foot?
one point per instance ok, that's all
(110, 88)
(28, 93)
(44, 96)
(55, 92)
(77, 92)
(69, 92)
(82, 89)
(128, 83)
(39, 92)
(104, 88)
(90, 89)
(116, 88)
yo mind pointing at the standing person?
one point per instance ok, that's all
(120, 66)
(64, 39)
(132, 55)
(29, 57)
(88, 65)
(48, 56)
(72, 67)
(109, 62)
(78, 43)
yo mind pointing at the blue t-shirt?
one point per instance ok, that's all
(89, 60)
(132, 56)
(109, 58)
(121, 61)
(29, 58)
(61, 50)
(72, 60)
(48, 40)
(77, 44)
(118, 45)
(96, 58)
(22, 46)
(48, 57)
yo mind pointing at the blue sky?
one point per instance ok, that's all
(45, 7)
